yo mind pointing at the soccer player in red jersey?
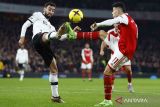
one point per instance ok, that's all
(87, 61)
(128, 34)
(111, 42)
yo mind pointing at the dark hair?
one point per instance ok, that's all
(120, 5)
(49, 3)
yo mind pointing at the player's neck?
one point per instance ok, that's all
(121, 13)
(87, 48)
(47, 17)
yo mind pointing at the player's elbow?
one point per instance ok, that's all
(26, 24)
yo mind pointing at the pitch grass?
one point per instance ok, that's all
(76, 93)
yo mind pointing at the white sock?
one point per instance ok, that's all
(129, 83)
(53, 79)
(112, 87)
(21, 72)
(51, 35)
(63, 37)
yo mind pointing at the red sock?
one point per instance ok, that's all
(83, 74)
(90, 75)
(129, 76)
(107, 86)
(88, 35)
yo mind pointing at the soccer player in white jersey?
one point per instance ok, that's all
(43, 32)
(21, 61)
(111, 42)
(87, 61)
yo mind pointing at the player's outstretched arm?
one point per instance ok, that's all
(120, 19)
(103, 45)
(23, 32)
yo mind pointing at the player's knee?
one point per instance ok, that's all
(102, 34)
(53, 69)
(108, 71)
(45, 37)
(128, 70)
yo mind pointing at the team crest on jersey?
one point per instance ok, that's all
(44, 22)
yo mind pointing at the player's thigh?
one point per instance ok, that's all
(127, 69)
(117, 60)
(83, 66)
(108, 70)
(43, 48)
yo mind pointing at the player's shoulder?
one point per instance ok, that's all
(18, 50)
(124, 16)
(38, 14)
(83, 49)
(25, 50)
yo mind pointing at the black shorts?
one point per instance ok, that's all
(43, 48)
(20, 66)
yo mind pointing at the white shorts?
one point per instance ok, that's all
(117, 60)
(127, 63)
(86, 66)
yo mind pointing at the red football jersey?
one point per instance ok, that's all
(88, 55)
(128, 37)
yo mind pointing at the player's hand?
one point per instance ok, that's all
(94, 26)
(101, 52)
(21, 41)
(77, 29)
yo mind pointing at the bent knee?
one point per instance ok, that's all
(109, 71)
(102, 34)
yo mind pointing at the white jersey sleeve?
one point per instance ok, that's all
(24, 28)
(35, 16)
(83, 56)
(120, 19)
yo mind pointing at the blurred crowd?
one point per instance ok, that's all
(68, 53)
(138, 5)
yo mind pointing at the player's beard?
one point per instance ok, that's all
(47, 16)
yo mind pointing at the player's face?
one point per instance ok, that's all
(87, 46)
(49, 10)
(115, 12)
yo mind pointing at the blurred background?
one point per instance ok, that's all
(13, 13)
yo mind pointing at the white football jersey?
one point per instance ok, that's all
(22, 56)
(112, 39)
(40, 24)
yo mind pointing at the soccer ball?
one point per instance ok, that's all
(75, 15)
